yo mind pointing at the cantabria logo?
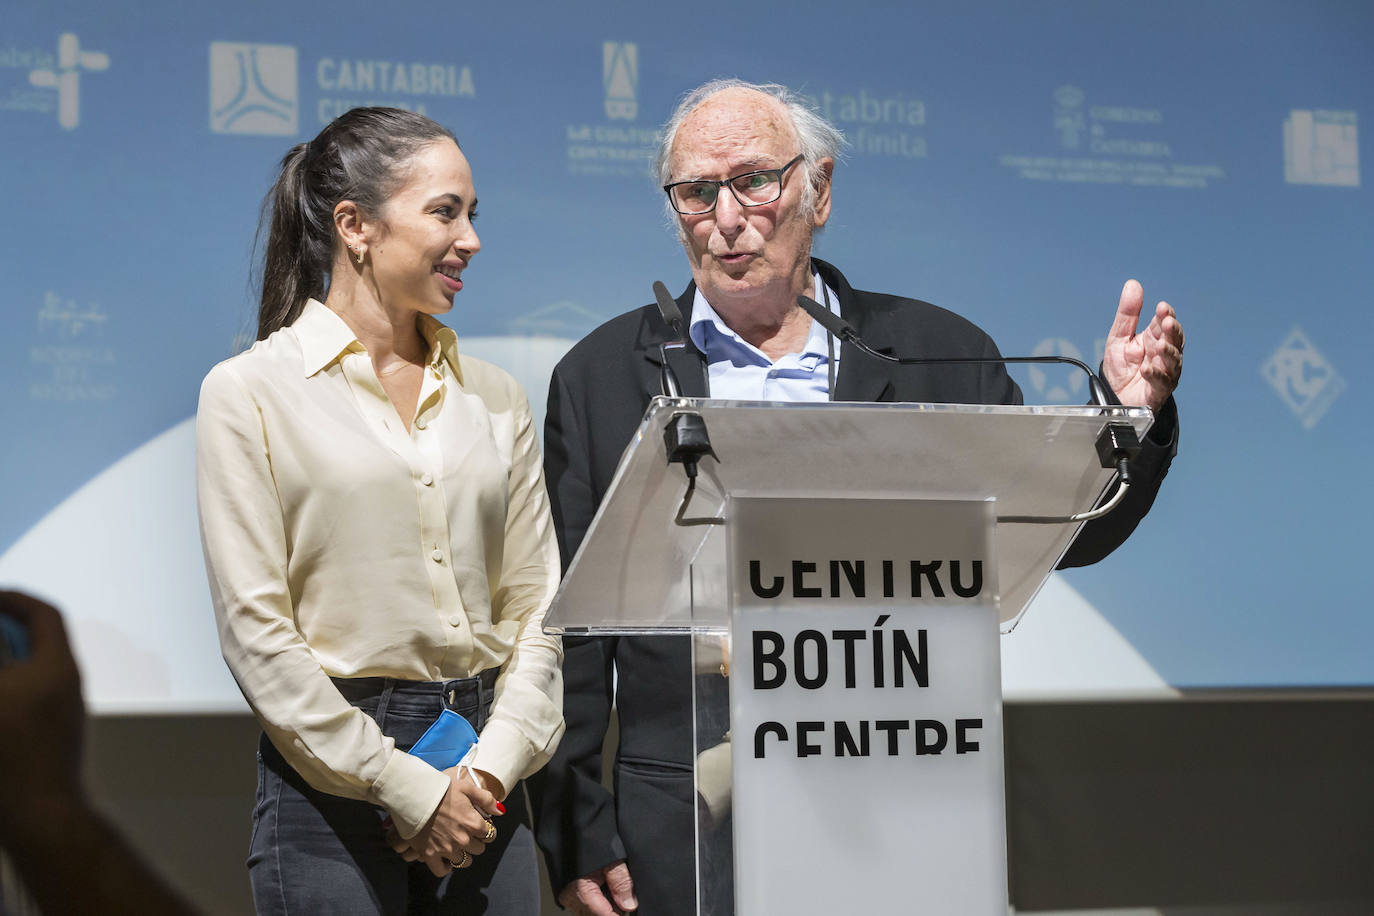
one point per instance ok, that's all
(1321, 147)
(253, 89)
(620, 77)
(66, 77)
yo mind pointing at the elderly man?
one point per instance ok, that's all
(747, 172)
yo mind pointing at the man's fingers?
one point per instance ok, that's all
(1165, 347)
(1128, 310)
(583, 897)
(1169, 325)
(622, 886)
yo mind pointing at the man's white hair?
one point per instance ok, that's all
(817, 138)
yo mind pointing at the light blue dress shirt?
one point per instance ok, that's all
(739, 371)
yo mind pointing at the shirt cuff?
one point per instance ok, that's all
(410, 790)
(503, 752)
(713, 780)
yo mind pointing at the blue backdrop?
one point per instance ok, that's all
(1014, 162)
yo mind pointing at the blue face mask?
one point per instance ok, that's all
(445, 742)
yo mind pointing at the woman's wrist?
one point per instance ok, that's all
(490, 783)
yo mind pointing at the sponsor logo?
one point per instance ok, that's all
(55, 79)
(253, 89)
(346, 83)
(620, 77)
(1109, 144)
(1058, 384)
(564, 319)
(1321, 147)
(876, 123)
(1068, 116)
(1303, 378)
(607, 147)
(69, 362)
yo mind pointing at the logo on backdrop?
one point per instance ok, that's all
(346, 83)
(256, 88)
(1068, 116)
(52, 82)
(1057, 384)
(563, 319)
(253, 89)
(612, 147)
(876, 123)
(620, 76)
(1303, 378)
(70, 362)
(1321, 147)
(1109, 144)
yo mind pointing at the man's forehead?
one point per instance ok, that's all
(734, 131)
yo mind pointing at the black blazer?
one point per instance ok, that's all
(597, 397)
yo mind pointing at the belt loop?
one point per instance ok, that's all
(384, 702)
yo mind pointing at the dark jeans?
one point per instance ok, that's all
(315, 853)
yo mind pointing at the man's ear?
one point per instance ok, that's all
(827, 166)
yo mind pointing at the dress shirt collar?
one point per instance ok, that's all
(716, 340)
(443, 344)
(324, 336)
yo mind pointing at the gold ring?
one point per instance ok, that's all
(463, 862)
(491, 833)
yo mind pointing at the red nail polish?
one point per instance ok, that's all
(500, 807)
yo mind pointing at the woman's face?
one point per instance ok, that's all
(426, 238)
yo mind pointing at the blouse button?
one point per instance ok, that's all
(455, 621)
(438, 555)
(427, 479)
(419, 424)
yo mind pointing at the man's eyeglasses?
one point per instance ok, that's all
(752, 189)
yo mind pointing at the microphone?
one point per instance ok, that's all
(1117, 444)
(672, 315)
(845, 332)
(685, 438)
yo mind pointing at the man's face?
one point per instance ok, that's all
(739, 254)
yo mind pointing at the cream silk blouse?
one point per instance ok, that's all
(339, 544)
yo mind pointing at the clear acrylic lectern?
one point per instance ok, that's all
(849, 748)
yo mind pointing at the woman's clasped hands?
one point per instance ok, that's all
(460, 828)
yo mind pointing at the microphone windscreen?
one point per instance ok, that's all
(826, 318)
(672, 315)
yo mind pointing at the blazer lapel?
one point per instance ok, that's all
(687, 362)
(862, 377)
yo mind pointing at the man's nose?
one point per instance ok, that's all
(730, 217)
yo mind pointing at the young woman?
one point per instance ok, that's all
(378, 542)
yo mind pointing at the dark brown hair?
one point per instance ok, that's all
(360, 156)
